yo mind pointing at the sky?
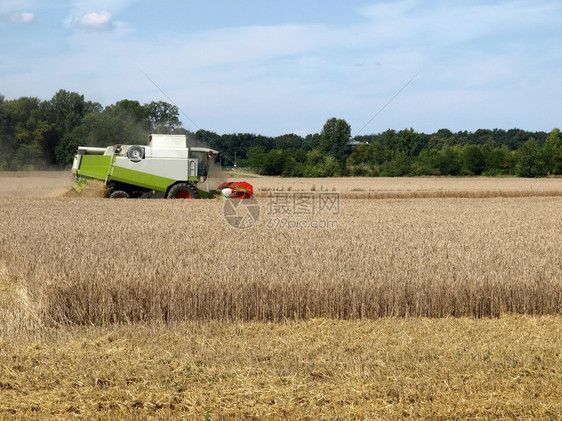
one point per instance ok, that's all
(273, 67)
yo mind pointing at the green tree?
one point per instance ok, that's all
(294, 167)
(473, 161)
(497, 160)
(133, 110)
(388, 140)
(397, 167)
(334, 137)
(409, 142)
(360, 154)
(6, 140)
(289, 141)
(449, 160)
(66, 148)
(379, 153)
(552, 152)
(481, 136)
(530, 162)
(274, 162)
(23, 134)
(124, 122)
(426, 163)
(209, 139)
(21, 117)
(163, 117)
(65, 110)
(26, 158)
(256, 158)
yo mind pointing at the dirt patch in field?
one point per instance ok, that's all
(35, 184)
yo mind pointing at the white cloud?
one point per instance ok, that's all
(83, 6)
(94, 21)
(7, 6)
(20, 17)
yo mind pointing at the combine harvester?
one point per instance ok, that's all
(165, 168)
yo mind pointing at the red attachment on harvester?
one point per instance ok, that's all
(240, 189)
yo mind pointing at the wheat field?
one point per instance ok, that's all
(446, 305)
(99, 261)
(320, 369)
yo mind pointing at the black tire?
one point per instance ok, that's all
(135, 153)
(119, 194)
(182, 191)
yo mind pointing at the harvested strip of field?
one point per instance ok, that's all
(464, 194)
(99, 261)
(35, 184)
(377, 187)
(506, 368)
(53, 184)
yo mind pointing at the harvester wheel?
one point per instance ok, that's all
(182, 191)
(119, 194)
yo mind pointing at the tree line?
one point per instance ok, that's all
(37, 134)
(495, 152)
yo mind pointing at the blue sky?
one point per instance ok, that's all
(273, 67)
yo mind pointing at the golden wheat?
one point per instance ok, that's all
(99, 261)
(89, 263)
(448, 368)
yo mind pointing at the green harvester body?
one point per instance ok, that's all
(166, 167)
